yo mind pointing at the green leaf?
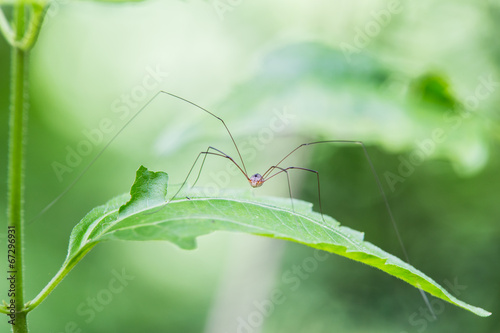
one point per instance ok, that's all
(146, 217)
(149, 189)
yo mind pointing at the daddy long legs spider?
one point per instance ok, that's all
(258, 180)
(255, 180)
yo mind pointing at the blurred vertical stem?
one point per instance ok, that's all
(18, 114)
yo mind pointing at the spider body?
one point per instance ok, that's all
(256, 180)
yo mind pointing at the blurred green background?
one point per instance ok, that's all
(391, 74)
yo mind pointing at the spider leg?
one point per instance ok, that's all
(281, 170)
(205, 154)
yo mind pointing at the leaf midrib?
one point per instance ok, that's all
(273, 209)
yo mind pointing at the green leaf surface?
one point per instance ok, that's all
(144, 216)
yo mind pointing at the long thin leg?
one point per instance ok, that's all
(221, 153)
(80, 175)
(381, 190)
(299, 168)
(290, 194)
(182, 185)
(374, 173)
(288, 180)
(70, 186)
(213, 115)
(205, 153)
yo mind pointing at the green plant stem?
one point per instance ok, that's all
(30, 36)
(19, 62)
(33, 29)
(65, 269)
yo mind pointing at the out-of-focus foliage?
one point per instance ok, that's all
(95, 65)
(364, 100)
